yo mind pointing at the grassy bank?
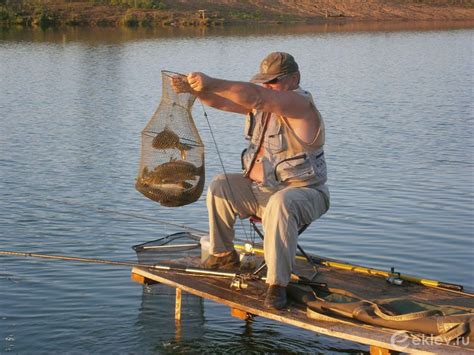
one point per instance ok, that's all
(153, 13)
(131, 13)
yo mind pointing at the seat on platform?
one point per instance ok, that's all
(254, 220)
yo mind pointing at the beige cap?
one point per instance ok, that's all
(275, 65)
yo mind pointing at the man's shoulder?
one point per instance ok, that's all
(305, 93)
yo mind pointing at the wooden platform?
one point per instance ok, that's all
(249, 302)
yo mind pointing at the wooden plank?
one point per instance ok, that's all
(250, 301)
(177, 309)
(178, 330)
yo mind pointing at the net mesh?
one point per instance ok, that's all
(172, 154)
(182, 245)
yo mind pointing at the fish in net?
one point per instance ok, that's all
(172, 154)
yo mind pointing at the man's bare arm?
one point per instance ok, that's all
(248, 95)
(221, 103)
(180, 84)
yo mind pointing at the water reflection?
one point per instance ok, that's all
(155, 324)
(205, 328)
(95, 36)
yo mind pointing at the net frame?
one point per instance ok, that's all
(176, 245)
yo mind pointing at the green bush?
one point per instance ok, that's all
(130, 20)
(140, 4)
(147, 21)
(151, 4)
(243, 15)
(4, 15)
(47, 18)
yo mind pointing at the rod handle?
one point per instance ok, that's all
(450, 286)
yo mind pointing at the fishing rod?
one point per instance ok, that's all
(454, 288)
(196, 271)
(322, 261)
(239, 279)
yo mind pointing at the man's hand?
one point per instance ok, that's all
(199, 81)
(180, 84)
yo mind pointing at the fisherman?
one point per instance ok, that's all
(284, 169)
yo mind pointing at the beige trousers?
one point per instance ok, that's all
(282, 212)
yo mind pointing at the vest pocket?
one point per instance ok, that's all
(320, 163)
(297, 168)
(274, 139)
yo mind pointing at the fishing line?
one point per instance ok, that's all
(197, 233)
(223, 167)
(105, 210)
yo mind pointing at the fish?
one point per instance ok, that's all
(163, 184)
(167, 139)
(173, 172)
(176, 171)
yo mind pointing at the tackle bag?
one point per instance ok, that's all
(442, 322)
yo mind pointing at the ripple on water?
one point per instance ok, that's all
(398, 113)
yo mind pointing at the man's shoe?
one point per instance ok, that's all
(229, 261)
(276, 297)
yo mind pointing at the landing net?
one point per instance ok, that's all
(180, 245)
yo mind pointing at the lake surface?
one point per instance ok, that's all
(398, 110)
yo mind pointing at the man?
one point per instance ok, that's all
(284, 170)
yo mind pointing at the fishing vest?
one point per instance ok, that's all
(286, 160)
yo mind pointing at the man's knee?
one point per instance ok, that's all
(293, 204)
(279, 202)
(218, 185)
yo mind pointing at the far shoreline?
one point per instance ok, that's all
(100, 35)
(263, 28)
(187, 14)
(344, 22)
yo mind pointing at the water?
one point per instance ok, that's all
(399, 117)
